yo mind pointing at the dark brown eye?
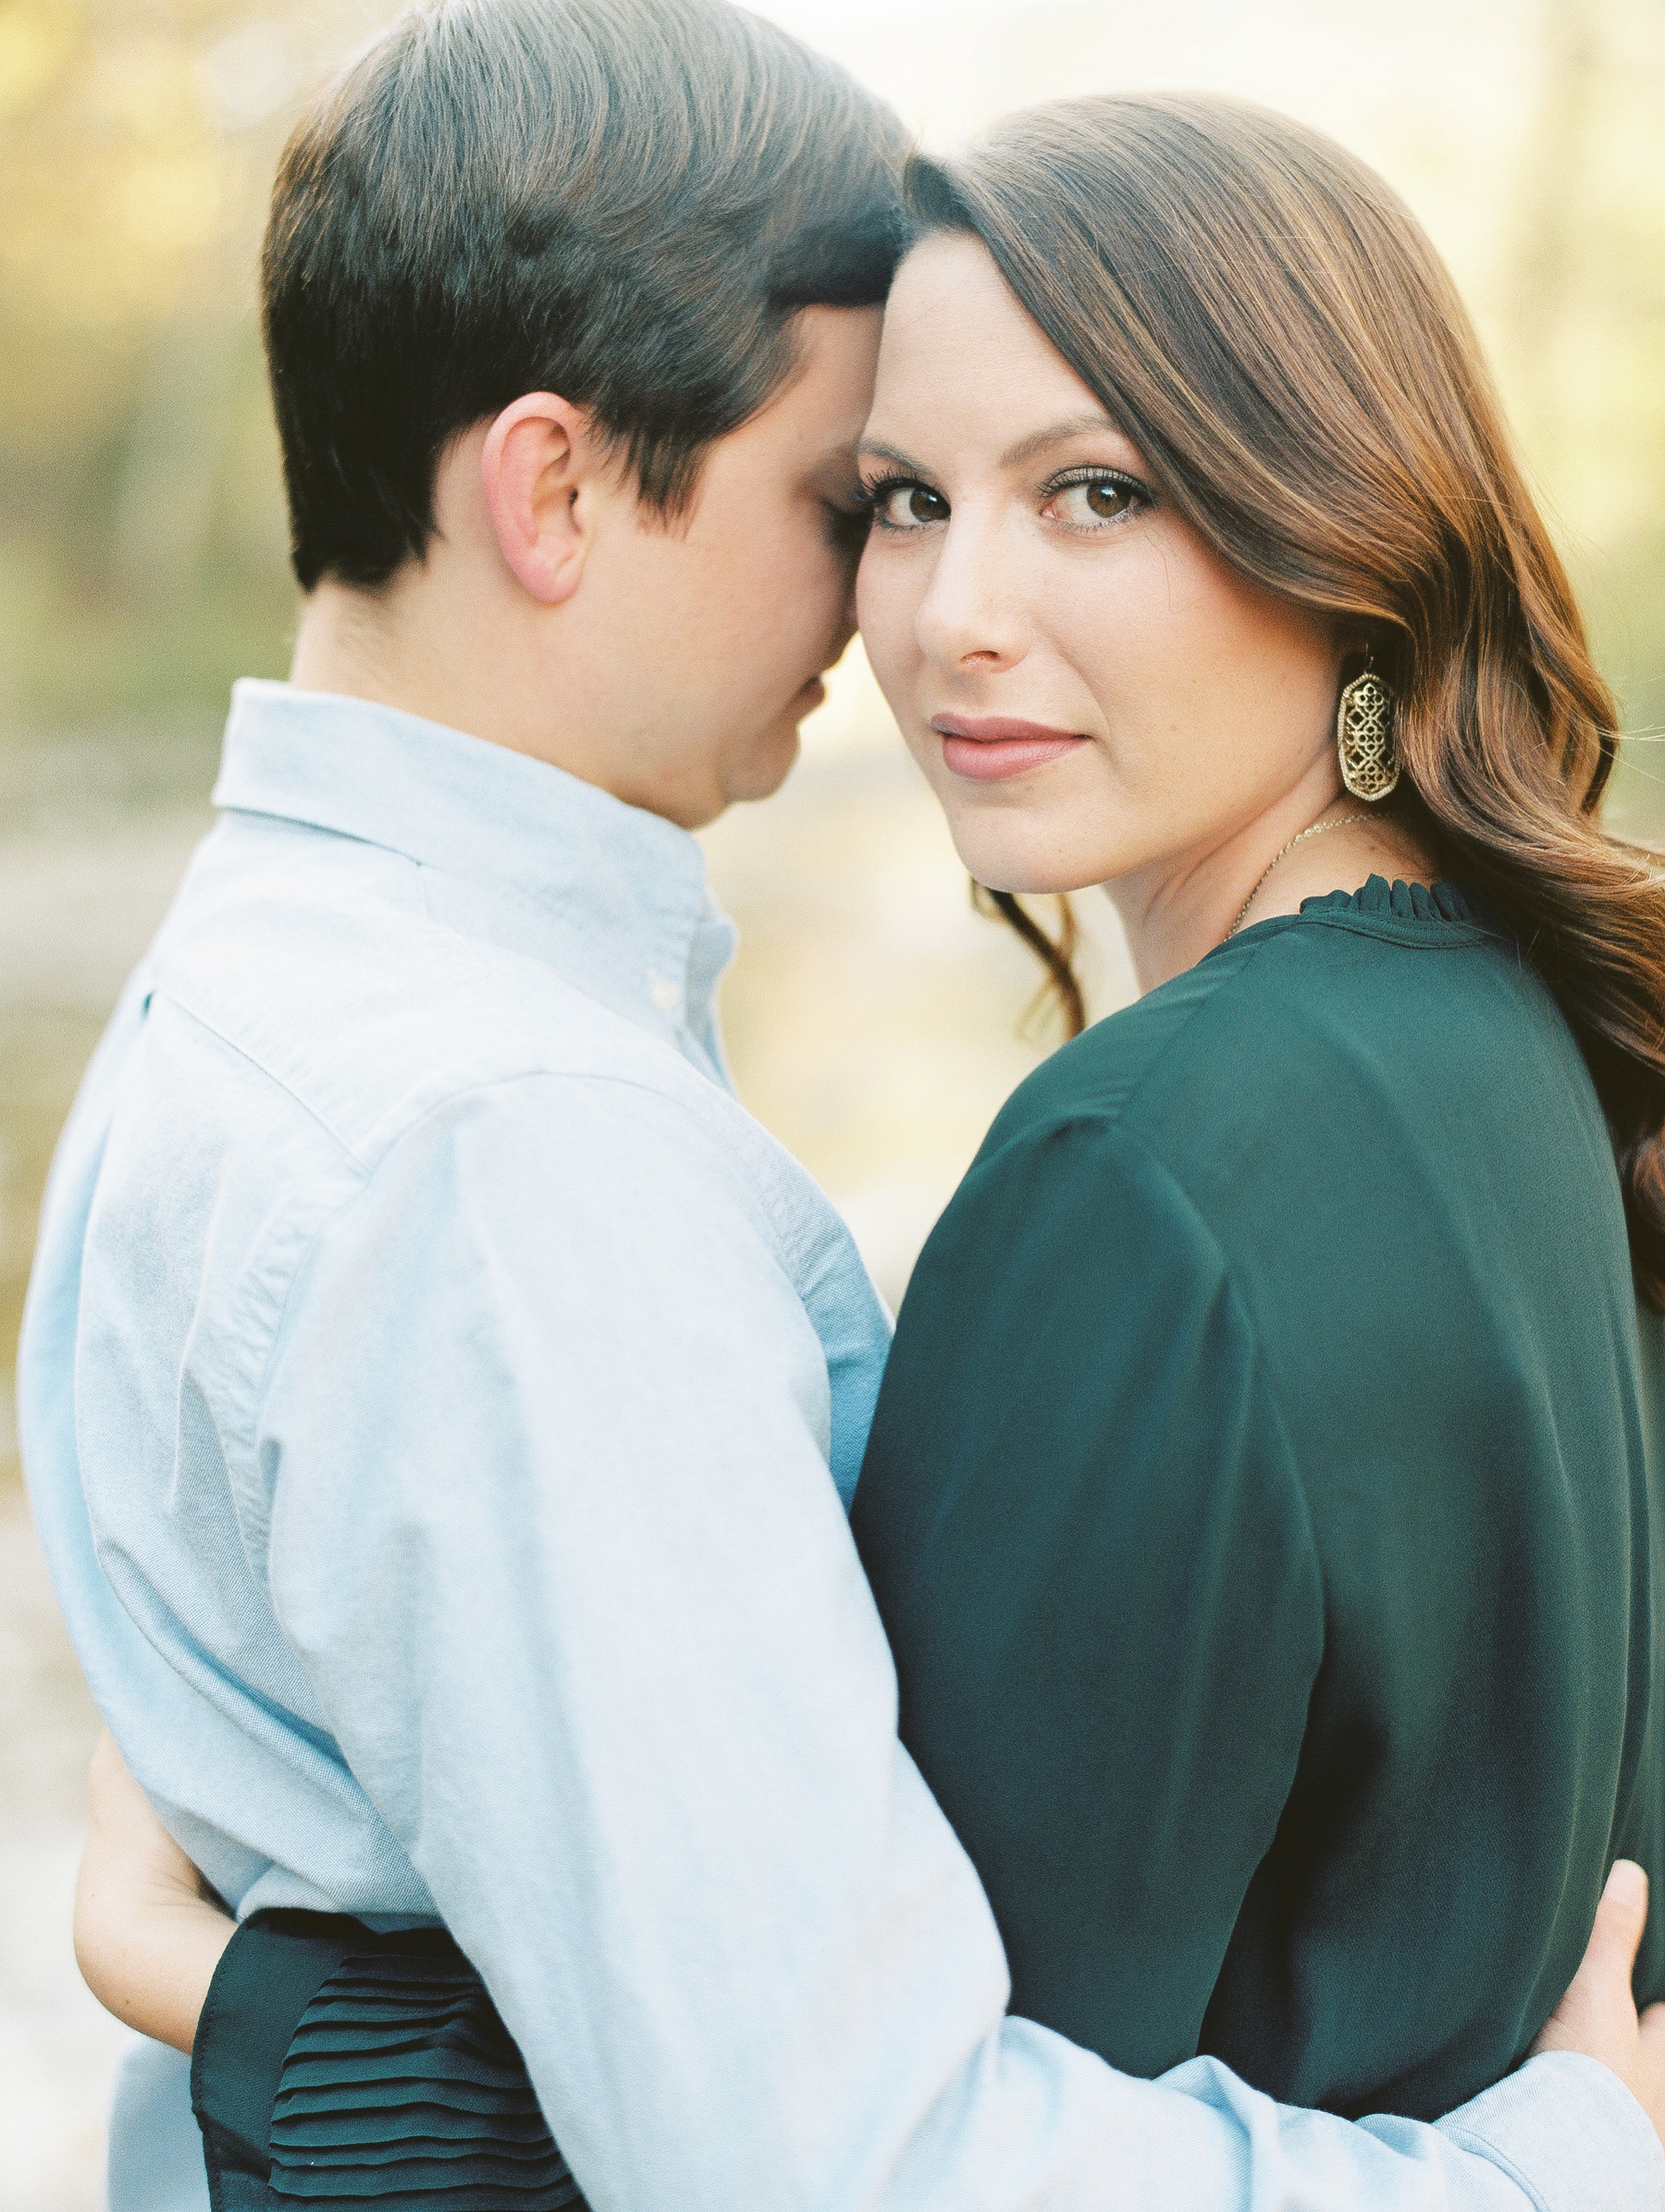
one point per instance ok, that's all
(1107, 497)
(1088, 502)
(903, 503)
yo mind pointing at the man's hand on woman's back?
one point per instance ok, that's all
(1597, 2016)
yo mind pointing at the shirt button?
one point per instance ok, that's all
(664, 995)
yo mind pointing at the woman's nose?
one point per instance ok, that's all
(965, 622)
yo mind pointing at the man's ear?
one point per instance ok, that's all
(537, 467)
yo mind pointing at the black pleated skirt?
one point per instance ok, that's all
(343, 2070)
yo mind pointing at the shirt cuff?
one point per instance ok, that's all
(1570, 2133)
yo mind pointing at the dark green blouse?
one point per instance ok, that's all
(1265, 1508)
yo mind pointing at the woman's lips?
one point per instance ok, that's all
(989, 748)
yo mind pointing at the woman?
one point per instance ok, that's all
(1262, 1501)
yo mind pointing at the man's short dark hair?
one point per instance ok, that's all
(625, 202)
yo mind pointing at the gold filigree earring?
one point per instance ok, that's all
(1366, 739)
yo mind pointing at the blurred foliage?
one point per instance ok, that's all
(141, 552)
(1583, 345)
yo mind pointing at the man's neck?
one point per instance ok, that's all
(445, 649)
(371, 645)
(453, 650)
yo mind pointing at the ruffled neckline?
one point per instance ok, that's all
(1400, 901)
(1441, 915)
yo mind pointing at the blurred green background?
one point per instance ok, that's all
(875, 1024)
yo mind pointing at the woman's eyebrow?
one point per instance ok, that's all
(871, 448)
(1075, 425)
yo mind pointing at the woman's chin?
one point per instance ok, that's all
(1000, 864)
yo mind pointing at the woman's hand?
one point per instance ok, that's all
(148, 1931)
(1597, 2016)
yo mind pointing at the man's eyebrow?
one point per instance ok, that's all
(1075, 425)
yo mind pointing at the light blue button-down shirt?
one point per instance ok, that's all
(428, 1395)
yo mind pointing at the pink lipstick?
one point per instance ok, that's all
(988, 748)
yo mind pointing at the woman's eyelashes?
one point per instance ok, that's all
(1084, 500)
(903, 503)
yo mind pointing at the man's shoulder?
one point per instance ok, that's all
(336, 992)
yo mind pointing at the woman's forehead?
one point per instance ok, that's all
(960, 355)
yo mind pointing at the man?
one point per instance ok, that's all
(432, 1375)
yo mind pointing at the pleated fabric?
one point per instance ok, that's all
(403, 2089)
(351, 2071)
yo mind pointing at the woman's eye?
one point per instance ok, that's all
(907, 506)
(1091, 501)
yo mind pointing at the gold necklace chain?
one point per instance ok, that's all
(1315, 829)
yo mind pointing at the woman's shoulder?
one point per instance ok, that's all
(1347, 1123)
(1393, 1007)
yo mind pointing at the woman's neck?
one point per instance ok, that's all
(1178, 908)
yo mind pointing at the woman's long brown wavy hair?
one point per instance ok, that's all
(1267, 323)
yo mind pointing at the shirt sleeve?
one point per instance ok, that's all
(1091, 1554)
(552, 1529)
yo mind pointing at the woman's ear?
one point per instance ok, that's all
(537, 467)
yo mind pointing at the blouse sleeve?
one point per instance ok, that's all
(1080, 1517)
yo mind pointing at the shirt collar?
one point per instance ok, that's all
(613, 897)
